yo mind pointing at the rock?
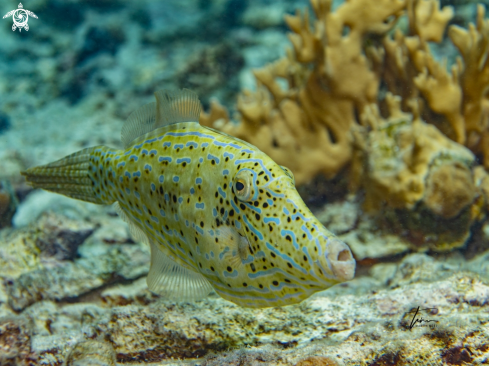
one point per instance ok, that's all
(61, 281)
(53, 259)
(449, 189)
(317, 361)
(91, 353)
(136, 293)
(62, 236)
(349, 324)
(39, 202)
(8, 203)
(15, 342)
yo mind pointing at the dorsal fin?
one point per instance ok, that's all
(176, 106)
(140, 122)
(170, 107)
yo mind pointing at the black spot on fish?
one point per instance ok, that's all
(202, 224)
(256, 203)
(275, 283)
(243, 207)
(174, 199)
(257, 216)
(288, 238)
(287, 280)
(273, 254)
(229, 269)
(231, 213)
(253, 269)
(265, 205)
(260, 285)
(288, 264)
(245, 284)
(288, 219)
(212, 269)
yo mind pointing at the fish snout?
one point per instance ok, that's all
(340, 260)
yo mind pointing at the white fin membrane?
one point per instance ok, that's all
(139, 123)
(176, 106)
(166, 277)
(136, 233)
(173, 281)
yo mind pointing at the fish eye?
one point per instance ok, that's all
(242, 186)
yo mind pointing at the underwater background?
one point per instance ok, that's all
(380, 110)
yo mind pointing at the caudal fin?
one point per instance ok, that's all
(68, 176)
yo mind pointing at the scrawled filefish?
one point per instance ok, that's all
(217, 212)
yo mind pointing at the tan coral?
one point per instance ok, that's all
(307, 126)
(333, 74)
(473, 45)
(401, 153)
(426, 19)
(449, 189)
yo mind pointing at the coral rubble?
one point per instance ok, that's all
(349, 325)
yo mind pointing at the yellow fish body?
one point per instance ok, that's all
(218, 213)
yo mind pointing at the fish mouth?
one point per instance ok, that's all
(339, 259)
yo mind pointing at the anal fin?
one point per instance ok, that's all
(172, 280)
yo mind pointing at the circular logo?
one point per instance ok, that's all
(20, 18)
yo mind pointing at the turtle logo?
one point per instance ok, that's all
(20, 17)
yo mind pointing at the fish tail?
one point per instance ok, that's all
(69, 176)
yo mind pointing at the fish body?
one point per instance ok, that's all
(218, 213)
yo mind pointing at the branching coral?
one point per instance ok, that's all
(307, 126)
(334, 75)
(473, 45)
